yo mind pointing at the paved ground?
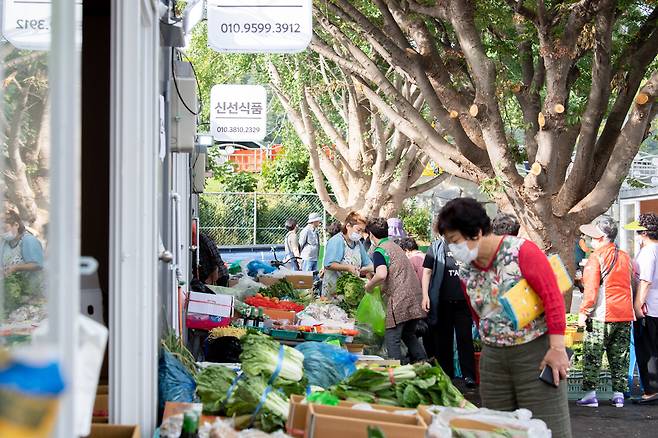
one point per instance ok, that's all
(632, 421)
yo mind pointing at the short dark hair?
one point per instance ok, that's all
(650, 222)
(334, 228)
(505, 224)
(291, 224)
(378, 227)
(465, 215)
(408, 244)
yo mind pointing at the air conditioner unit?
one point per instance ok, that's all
(183, 99)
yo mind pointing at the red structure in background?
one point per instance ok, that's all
(251, 160)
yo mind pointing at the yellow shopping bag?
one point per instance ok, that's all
(523, 305)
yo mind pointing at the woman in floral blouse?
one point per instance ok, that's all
(511, 359)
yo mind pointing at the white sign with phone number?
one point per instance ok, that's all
(259, 26)
(238, 112)
(26, 23)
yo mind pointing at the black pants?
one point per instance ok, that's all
(406, 332)
(645, 332)
(454, 317)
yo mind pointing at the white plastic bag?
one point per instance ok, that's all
(485, 423)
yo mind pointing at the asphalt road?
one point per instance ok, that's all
(631, 421)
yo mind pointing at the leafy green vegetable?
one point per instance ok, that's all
(281, 289)
(406, 386)
(212, 385)
(352, 288)
(375, 432)
(260, 356)
(272, 414)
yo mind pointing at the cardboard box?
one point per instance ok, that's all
(280, 315)
(296, 424)
(299, 280)
(103, 389)
(114, 431)
(101, 412)
(334, 421)
(213, 305)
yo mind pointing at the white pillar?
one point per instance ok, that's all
(62, 262)
(133, 209)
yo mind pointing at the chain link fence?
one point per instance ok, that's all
(254, 218)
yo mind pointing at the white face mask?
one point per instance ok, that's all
(9, 236)
(355, 237)
(462, 253)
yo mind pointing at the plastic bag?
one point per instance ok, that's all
(175, 383)
(325, 364)
(323, 398)
(485, 423)
(256, 267)
(371, 311)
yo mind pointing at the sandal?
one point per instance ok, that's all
(648, 400)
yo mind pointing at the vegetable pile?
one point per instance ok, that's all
(260, 357)
(352, 288)
(259, 300)
(256, 399)
(280, 289)
(406, 386)
(212, 385)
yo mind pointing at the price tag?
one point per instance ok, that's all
(238, 112)
(26, 23)
(259, 26)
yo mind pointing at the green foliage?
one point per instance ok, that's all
(417, 221)
(287, 172)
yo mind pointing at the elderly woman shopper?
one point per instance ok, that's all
(400, 290)
(512, 358)
(345, 253)
(606, 311)
(646, 307)
(21, 256)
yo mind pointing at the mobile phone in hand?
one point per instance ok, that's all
(546, 375)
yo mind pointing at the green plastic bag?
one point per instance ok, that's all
(371, 311)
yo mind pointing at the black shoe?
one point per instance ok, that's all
(470, 383)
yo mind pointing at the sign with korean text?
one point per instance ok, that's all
(259, 26)
(26, 23)
(238, 112)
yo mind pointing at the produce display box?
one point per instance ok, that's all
(100, 414)
(114, 431)
(296, 424)
(280, 315)
(323, 337)
(575, 385)
(299, 280)
(287, 335)
(333, 421)
(355, 348)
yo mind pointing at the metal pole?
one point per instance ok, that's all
(255, 215)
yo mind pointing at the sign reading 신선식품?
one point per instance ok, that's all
(260, 26)
(238, 112)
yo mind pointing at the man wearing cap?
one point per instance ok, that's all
(606, 311)
(309, 243)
